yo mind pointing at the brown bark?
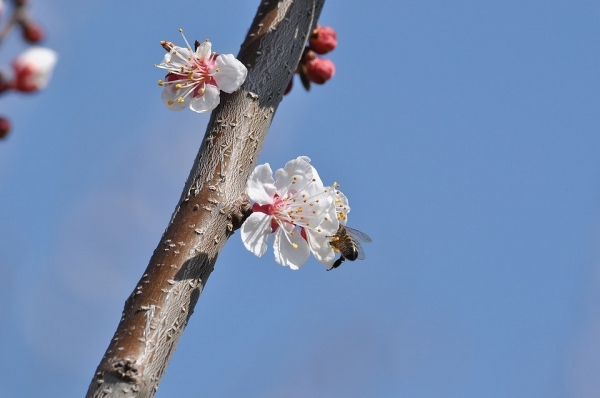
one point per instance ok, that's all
(211, 206)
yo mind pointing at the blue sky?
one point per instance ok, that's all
(465, 135)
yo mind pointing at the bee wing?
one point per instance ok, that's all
(361, 251)
(358, 235)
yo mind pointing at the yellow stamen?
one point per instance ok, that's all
(161, 82)
(180, 100)
(295, 245)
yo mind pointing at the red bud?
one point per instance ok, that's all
(319, 70)
(33, 33)
(323, 40)
(4, 127)
(289, 86)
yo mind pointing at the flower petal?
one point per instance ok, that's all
(231, 73)
(290, 250)
(260, 186)
(203, 51)
(295, 176)
(255, 233)
(206, 102)
(170, 93)
(342, 207)
(320, 247)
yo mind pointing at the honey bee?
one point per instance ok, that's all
(346, 241)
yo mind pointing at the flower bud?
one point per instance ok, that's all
(4, 127)
(33, 69)
(289, 86)
(32, 33)
(323, 39)
(319, 70)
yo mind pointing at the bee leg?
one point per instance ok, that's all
(338, 262)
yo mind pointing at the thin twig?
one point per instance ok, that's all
(19, 13)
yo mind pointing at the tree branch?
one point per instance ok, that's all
(212, 205)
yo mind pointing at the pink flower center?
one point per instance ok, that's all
(277, 211)
(195, 73)
(270, 210)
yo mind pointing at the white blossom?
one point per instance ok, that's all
(296, 208)
(33, 68)
(195, 78)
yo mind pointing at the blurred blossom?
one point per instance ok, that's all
(33, 69)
